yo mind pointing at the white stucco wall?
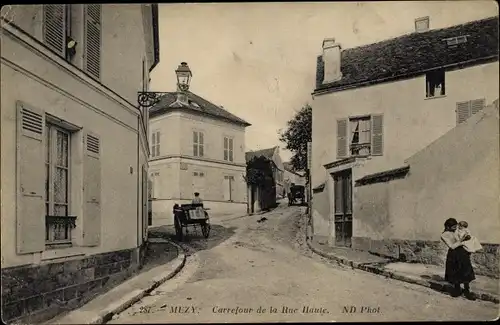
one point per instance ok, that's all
(176, 165)
(411, 122)
(33, 74)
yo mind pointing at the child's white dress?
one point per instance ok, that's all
(472, 245)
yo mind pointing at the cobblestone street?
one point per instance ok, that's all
(262, 271)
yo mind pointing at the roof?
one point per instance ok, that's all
(266, 153)
(196, 104)
(413, 54)
(156, 37)
(289, 168)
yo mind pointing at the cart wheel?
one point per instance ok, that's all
(205, 229)
(178, 229)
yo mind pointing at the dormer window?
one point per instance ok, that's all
(452, 41)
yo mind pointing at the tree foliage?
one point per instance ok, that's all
(296, 135)
(259, 171)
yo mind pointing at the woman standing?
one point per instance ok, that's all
(458, 265)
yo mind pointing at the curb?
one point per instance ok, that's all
(441, 287)
(136, 295)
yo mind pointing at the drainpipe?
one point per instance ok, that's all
(137, 196)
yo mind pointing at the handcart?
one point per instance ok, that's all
(193, 215)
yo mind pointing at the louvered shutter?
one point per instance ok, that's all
(477, 105)
(54, 27)
(463, 111)
(31, 179)
(377, 135)
(342, 138)
(93, 40)
(92, 190)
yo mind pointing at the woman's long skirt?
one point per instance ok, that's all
(458, 266)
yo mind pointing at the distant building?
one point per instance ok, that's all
(255, 198)
(74, 151)
(395, 102)
(196, 146)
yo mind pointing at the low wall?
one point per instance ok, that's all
(485, 262)
(162, 210)
(38, 293)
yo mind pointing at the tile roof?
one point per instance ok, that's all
(197, 104)
(413, 54)
(267, 153)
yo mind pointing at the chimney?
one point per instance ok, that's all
(331, 59)
(422, 24)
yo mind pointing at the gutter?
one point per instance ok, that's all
(137, 196)
(366, 83)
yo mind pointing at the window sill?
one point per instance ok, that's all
(61, 253)
(435, 97)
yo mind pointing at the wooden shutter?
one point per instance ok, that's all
(93, 40)
(342, 138)
(144, 226)
(30, 230)
(463, 111)
(54, 27)
(92, 190)
(377, 135)
(477, 105)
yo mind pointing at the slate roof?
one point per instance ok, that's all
(414, 53)
(197, 104)
(267, 153)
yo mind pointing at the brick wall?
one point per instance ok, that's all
(37, 293)
(430, 252)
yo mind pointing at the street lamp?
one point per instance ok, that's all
(183, 76)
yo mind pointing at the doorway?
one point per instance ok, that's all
(343, 207)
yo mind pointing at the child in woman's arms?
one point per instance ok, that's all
(471, 243)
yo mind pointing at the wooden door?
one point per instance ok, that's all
(343, 208)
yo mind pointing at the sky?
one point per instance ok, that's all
(258, 59)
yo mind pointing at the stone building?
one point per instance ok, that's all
(196, 146)
(395, 102)
(74, 151)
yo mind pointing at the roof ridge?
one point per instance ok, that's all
(418, 33)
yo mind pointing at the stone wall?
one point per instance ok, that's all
(38, 293)
(485, 262)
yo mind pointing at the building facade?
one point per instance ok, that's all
(74, 150)
(196, 146)
(377, 105)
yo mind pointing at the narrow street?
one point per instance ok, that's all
(264, 272)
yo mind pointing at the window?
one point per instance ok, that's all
(155, 144)
(467, 109)
(57, 171)
(360, 136)
(228, 149)
(198, 142)
(434, 84)
(154, 189)
(228, 188)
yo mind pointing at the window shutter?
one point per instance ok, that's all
(54, 27)
(377, 135)
(93, 40)
(477, 105)
(463, 111)
(342, 138)
(31, 179)
(92, 190)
